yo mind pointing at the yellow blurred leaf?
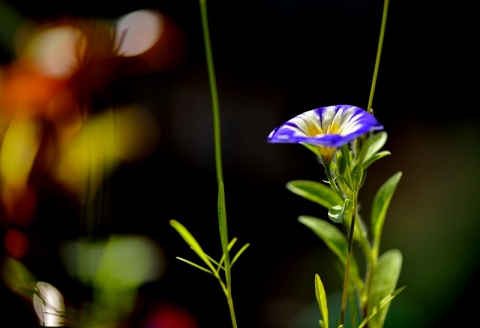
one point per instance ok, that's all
(18, 150)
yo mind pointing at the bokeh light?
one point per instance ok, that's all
(56, 50)
(16, 243)
(138, 31)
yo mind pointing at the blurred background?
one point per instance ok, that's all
(153, 160)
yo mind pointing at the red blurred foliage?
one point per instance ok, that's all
(169, 316)
(16, 243)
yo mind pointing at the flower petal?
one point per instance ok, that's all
(331, 126)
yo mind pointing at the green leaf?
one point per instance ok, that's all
(375, 142)
(230, 245)
(194, 264)
(336, 241)
(375, 158)
(381, 305)
(384, 282)
(190, 240)
(331, 235)
(222, 219)
(337, 212)
(322, 300)
(343, 180)
(380, 205)
(316, 192)
(18, 278)
(239, 253)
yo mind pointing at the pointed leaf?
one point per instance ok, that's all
(331, 235)
(375, 143)
(230, 245)
(219, 265)
(384, 282)
(380, 206)
(322, 300)
(187, 236)
(194, 265)
(375, 158)
(336, 241)
(381, 305)
(239, 253)
(316, 192)
(344, 182)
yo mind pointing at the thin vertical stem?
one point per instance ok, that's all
(349, 255)
(379, 53)
(372, 258)
(218, 159)
(213, 91)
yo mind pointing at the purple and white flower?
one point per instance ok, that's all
(328, 128)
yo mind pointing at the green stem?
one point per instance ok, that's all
(332, 182)
(213, 91)
(218, 158)
(368, 284)
(379, 53)
(349, 255)
(372, 256)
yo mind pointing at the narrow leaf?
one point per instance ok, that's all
(194, 265)
(316, 192)
(380, 205)
(375, 143)
(375, 158)
(331, 236)
(230, 245)
(219, 266)
(322, 300)
(190, 240)
(381, 305)
(384, 282)
(344, 181)
(337, 242)
(239, 253)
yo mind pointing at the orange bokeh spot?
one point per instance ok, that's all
(26, 92)
(16, 243)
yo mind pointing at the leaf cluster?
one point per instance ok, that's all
(374, 290)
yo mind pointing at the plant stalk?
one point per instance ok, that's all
(349, 255)
(218, 158)
(379, 53)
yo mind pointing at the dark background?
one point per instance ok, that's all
(275, 59)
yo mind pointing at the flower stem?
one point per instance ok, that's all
(218, 161)
(349, 255)
(331, 180)
(379, 53)
(213, 91)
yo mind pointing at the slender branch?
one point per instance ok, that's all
(331, 181)
(379, 53)
(218, 160)
(349, 256)
(213, 91)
